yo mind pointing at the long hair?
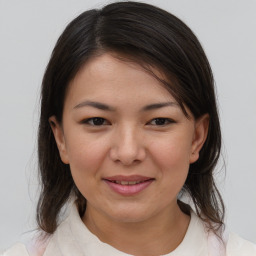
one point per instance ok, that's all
(151, 37)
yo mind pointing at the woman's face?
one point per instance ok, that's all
(127, 141)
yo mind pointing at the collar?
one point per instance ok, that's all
(72, 237)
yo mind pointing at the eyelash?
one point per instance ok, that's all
(87, 121)
(102, 120)
(168, 120)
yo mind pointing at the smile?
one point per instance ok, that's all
(126, 182)
(128, 185)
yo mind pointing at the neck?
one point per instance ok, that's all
(139, 238)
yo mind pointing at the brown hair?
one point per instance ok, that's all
(151, 37)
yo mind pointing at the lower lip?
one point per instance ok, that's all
(128, 190)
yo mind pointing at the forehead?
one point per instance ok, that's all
(109, 76)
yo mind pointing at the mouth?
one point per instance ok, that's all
(128, 185)
(128, 180)
(122, 182)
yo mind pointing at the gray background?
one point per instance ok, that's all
(28, 32)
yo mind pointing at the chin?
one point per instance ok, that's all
(130, 214)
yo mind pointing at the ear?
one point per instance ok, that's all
(59, 138)
(200, 135)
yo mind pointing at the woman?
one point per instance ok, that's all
(129, 127)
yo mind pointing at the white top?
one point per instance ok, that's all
(73, 238)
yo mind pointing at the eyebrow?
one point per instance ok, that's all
(95, 105)
(160, 105)
(105, 107)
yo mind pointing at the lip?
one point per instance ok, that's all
(128, 189)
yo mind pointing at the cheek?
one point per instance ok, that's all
(86, 155)
(173, 154)
(172, 161)
(85, 159)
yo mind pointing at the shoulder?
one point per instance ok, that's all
(36, 247)
(17, 249)
(231, 244)
(237, 246)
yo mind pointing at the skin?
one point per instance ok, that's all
(129, 140)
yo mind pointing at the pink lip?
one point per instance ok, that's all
(128, 178)
(128, 190)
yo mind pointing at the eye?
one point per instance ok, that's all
(95, 121)
(160, 121)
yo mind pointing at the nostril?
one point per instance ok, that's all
(128, 162)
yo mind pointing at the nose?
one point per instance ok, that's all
(128, 146)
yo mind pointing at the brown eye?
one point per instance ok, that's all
(95, 121)
(161, 121)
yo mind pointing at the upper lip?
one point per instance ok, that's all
(128, 178)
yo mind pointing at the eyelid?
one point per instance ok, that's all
(87, 120)
(102, 121)
(169, 121)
